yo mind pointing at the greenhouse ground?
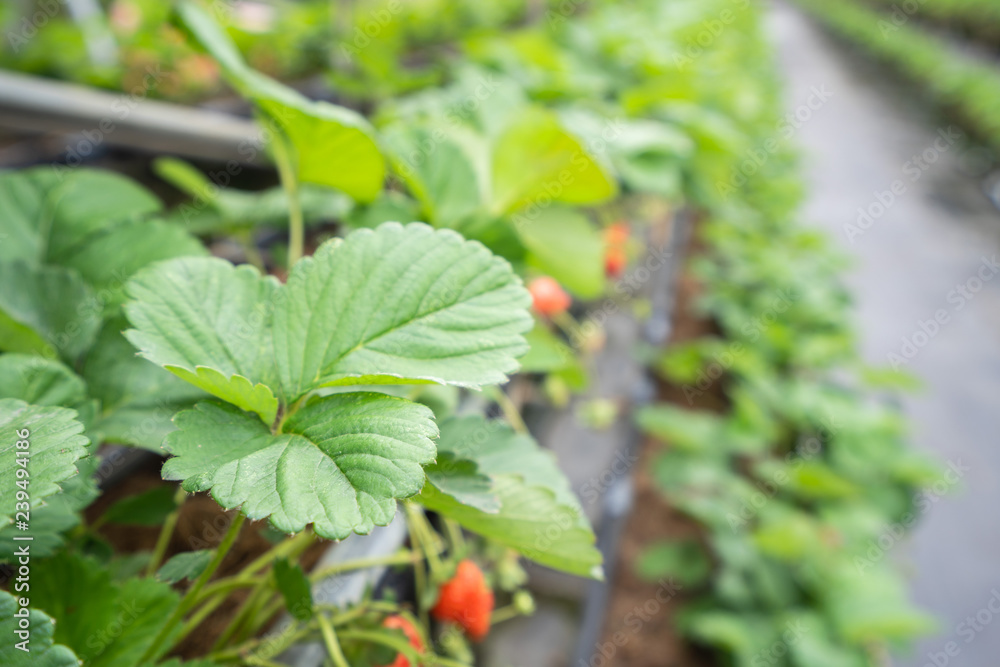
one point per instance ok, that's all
(927, 295)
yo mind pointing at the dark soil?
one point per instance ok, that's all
(640, 629)
(201, 525)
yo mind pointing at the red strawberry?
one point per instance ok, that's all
(615, 261)
(548, 297)
(466, 600)
(397, 622)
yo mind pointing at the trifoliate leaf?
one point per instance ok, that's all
(399, 304)
(55, 443)
(340, 462)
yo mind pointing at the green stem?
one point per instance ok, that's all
(510, 411)
(504, 614)
(427, 538)
(455, 539)
(290, 182)
(249, 606)
(163, 540)
(190, 597)
(253, 255)
(330, 639)
(245, 579)
(398, 558)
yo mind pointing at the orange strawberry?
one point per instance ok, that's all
(548, 297)
(615, 261)
(466, 600)
(616, 234)
(397, 622)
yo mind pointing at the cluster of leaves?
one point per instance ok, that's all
(794, 471)
(797, 472)
(291, 402)
(963, 85)
(130, 45)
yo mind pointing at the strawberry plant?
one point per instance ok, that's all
(316, 395)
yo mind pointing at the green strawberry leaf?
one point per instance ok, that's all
(295, 589)
(536, 160)
(56, 443)
(39, 381)
(108, 624)
(89, 220)
(49, 211)
(340, 462)
(461, 479)
(333, 146)
(437, 172)
(456, 317)
(563, 244)
(539, 514)
(208, 322)
(46, 310)
(41, 650)
(403, 304)
(187, 565)
(138, 398)
(149, 508)
(59, 514)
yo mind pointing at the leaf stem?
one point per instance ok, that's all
(290, 182)
(245, 579)
(510, 411)
(330, 639)
(191, 596)
(163, 539)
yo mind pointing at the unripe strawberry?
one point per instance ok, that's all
(548, 297)
(466, 600)
(397, 622)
